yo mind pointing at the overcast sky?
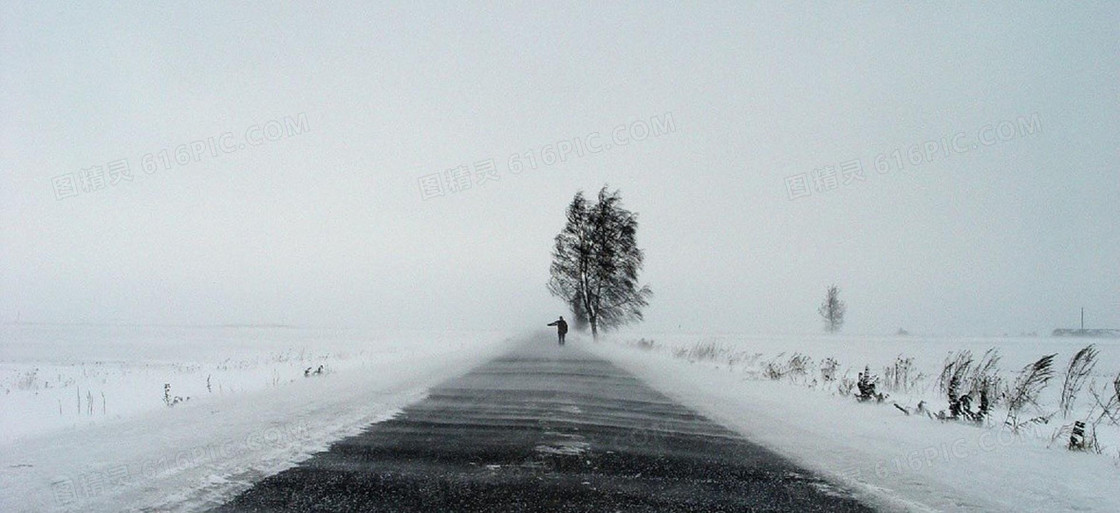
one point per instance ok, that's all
(211, 163)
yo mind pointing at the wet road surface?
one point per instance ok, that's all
(545, 428)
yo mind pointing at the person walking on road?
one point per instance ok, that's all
(561, 328)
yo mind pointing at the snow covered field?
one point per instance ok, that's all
(87, 425)
(905, 462)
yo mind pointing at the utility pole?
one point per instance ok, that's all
(1083, 318)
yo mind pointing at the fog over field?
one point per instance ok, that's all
(240, 242)
(953, 168)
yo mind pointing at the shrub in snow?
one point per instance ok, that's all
(828, 369)
(704, 351)
(171, 400)
(866, 386)
(29, 381)
(1110, 407)
(1077, 436)
(919, 410)
(741, 357)
(773, 369)
(798, 365)
(698, 351)
(901, 376)
(845, 386)
(1078, 370)
(960, 408)
(971, 387)
(1083, 433)
(644, 344)
(1030, 383)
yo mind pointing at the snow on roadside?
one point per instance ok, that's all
(203, 451)
(905, 463)
(58, 377)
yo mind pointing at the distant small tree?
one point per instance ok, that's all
(832, 309)
(596, 261)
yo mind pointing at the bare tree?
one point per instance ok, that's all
(832, 309)
(596, 261)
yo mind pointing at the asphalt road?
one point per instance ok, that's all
(545, 428)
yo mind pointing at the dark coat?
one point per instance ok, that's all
(561, 326)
